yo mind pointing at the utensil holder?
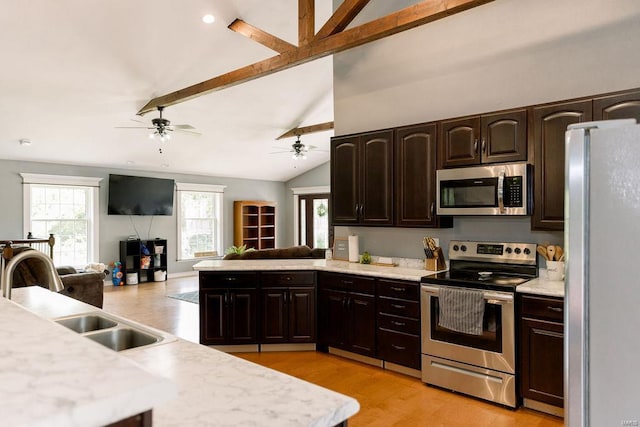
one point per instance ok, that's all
(437, 263)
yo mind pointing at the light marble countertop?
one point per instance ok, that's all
(543, 286)
(213, 388)
(411, 273)
(51, 376)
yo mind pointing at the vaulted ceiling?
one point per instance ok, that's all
(75, 73)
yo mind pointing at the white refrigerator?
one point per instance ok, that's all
(602, 300)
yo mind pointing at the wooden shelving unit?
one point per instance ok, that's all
(254, 224)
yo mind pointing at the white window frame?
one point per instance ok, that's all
(203, 188)
(297, 191)
(29, 179)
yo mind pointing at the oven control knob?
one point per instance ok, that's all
(517, 251)
(526, 251)
(463, 248)
(508, 250)
(456, 247)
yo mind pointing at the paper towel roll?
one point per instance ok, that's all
(354, 251)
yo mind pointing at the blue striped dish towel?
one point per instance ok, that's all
(461, 310)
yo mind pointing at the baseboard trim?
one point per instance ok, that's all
(403, 370)
(288, 347)
(181, 274)
(241, 348)
(357, 357)
(543, 407)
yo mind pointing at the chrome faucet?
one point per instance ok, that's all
(6, 282)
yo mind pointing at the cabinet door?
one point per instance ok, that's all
(334, 318)
(549, 126)
(415, 170)
(542, 361)
(345, 180)
(302, 315)
(242, 316)
(376, 182)
(622, 106)
(504, 137)
(213, 316)
(274, 315)
(458, 144)
(362, 324)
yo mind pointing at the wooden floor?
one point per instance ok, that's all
(386, 398)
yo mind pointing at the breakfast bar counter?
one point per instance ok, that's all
(184, 382)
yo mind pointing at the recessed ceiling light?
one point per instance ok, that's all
(208, 19)
(25, 142)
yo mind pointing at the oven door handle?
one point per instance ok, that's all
(497, 298)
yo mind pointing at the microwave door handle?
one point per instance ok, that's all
(501, 192)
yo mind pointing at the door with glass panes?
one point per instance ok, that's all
(314, 230)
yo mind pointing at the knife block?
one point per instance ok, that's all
(437, 263)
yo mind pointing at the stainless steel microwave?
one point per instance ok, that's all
(503, 189)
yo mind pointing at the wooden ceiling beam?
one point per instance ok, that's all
(306, 21)
(262, 37)
(307, 129)
(404, 19)
(342, 17)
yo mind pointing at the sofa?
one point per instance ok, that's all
(85, 286)
(302, 251)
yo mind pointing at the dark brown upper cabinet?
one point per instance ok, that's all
(362, 179)
(549, 124)
(415, 177)
(491, 138)
(621, 106)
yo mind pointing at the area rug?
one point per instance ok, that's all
(192, 296)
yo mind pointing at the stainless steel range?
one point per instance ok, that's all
(468, 320)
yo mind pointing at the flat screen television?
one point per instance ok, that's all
(137, 195)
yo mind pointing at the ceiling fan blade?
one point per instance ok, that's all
(279, 152)
(183, 127)
(132, 127)
(188, 132)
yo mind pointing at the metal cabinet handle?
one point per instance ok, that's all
(394, 288)
(398, 323)
(226, 298)
(230, 279)
(475, 145)
(398, 306)
(433, 208)
(398, 347)
(347, 282)
(556, 309)
(484, 145)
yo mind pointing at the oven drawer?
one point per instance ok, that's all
(399, 307)
(396, 347)
(396, 289)
(543, 308)
(399, 324)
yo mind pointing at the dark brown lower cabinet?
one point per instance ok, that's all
(288, 315)
(541, 349)
(346, 313)
(398, 322)
(228, 308)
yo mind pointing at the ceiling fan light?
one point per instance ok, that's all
(152, 135)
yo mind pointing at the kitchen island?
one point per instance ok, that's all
(210, 387)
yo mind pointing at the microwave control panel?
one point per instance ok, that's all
(513, 191)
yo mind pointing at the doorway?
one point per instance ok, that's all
(313, 221)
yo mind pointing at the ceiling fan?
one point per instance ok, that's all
(298, 150)
(161, 128)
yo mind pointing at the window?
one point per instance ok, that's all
(311, 213)
(199, 220)
(67, 207)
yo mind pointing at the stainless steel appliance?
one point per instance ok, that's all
(503, 189)
(602, 300)
(481, 365)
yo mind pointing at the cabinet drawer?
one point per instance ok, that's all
(543, 308)
(215, 279)
(394, 289)
(347, 282)
(396, 347)
(399, 307)
(399, 324)
(287, 278)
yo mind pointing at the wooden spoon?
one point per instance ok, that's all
(551, 252)
(543, 251)
(559, 252)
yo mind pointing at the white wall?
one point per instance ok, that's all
(504, 54)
